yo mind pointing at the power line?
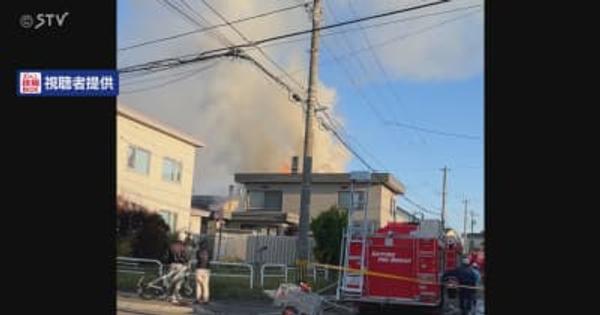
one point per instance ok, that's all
(416, 32)
(331, 26)
(360, 158)
(181, 11)
(204, 29)
(331, 128)
(432, 131)
(416, 17)
(338, 125)
(262, 52)
(379, 64)
(422, 208)
(169, 63)
(184, 76)
(214, 31)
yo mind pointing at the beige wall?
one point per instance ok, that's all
(150, 190)
(195, 224)
(323, 196)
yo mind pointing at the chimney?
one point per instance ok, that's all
(230, 191)
(294, 165)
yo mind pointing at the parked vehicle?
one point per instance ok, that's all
(405, 263)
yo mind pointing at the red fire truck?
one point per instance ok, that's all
(478, 257)
(405, 262)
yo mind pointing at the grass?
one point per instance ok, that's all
(128, 282)
(229, 287)
(220, 287)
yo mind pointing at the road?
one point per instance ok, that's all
(128, 304)
(131, 305)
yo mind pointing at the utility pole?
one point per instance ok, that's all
(303, 248)
(444, 192)
(471, 242)
(466, 202)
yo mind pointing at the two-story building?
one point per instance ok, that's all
(475, 241)
(155, 168)
(270, 202)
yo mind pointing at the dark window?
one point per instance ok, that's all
(265, 200)
(171, 170)
(344, 199)
(138, 159)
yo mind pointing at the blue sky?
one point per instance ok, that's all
(437, 75)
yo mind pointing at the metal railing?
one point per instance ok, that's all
(314, 270)
(282, 267)
(136, 265)
(250, 268)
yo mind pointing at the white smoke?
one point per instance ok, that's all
(246, 121)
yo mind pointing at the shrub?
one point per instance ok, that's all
(140, 233)
(327, 230)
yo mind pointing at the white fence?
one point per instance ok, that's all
(234, 272)
(282, 268)
(219, 269)
(258, 248)
(139, 266)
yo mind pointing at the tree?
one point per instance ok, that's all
(140, 233)
(327, 230)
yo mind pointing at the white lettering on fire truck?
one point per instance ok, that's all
(390, 257)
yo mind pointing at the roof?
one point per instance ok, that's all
(265, 217)
(200, 213)
(479, 234)
(158, 126)
(210, 202)
(386, 179)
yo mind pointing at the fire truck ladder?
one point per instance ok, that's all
(353, 282)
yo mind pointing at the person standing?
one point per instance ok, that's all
(202, 273)
(466, 279)
(177, 260)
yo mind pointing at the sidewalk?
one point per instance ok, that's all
(130, 303)
(237, 307)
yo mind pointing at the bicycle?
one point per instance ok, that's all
(159, 286)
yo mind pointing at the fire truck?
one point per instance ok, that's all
(404, 262)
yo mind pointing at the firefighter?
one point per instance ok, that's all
(475, 268)
(466, 277)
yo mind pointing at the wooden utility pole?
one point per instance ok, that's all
(444, 192)
(307, 158)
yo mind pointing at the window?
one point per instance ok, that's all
(170, 218)
(138, 159)
(344, 199)
(265, 200)
(171, 170)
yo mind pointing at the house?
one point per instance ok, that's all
(270, 202)
(217, 207)
(155, 168)
(403, 215)
(199, 219)
(475, 241)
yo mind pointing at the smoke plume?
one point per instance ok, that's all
(246, 121)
